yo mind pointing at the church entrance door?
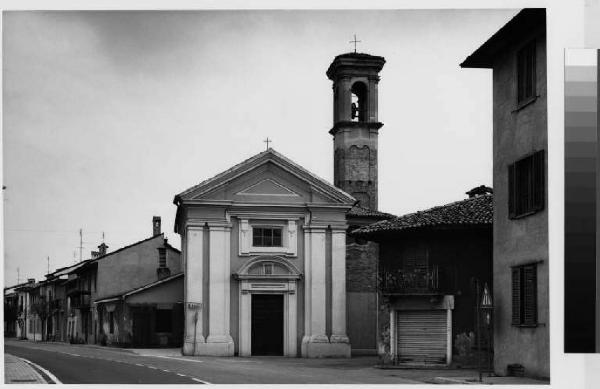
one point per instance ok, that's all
(267, 324)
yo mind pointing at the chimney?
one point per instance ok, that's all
(162, 271)
(155, 225)
(481, 190)
(31, 280)
(102, 249)
(95, 254)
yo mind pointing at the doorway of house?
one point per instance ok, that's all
(142, 331)
(267, 324)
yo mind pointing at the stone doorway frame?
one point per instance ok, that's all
(283, 284)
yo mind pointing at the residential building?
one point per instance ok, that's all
(147, 316)
(517, 55)
(114, 282)
(430, 266)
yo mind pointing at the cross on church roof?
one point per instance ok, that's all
(355, 42)
(267, 141)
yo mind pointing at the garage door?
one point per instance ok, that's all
(421, 336)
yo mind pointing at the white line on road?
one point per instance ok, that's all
(181, 375)
(50, 375)
(202, 382)
(175, 358)
(139, 364)
(152, 367)
(75, 355)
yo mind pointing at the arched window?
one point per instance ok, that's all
(359, 102)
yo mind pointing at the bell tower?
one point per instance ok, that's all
(355, 128)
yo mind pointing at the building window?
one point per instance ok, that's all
(526, 185)
(268, 268)
(266, 237)
(524, 295)
(163, 320)
(162, 257)
(526, 73)
(111, 322)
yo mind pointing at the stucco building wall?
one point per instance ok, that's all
(517, 133)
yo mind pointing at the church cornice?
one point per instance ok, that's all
(351, 125)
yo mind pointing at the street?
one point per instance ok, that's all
(83, 364)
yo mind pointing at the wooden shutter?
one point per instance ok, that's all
(529, 295)
(538, 180)
(511, 190)
(516, 295)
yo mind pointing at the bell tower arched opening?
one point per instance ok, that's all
(359, 104)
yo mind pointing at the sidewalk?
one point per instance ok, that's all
(474, 380)
(17, 371)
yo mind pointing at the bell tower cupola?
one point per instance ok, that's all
(355, 128)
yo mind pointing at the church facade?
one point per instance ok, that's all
(264, 243)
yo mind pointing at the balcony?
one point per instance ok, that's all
(416, 281)
(81, 300)
(56, 305)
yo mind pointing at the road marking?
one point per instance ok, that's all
(167, 371)
(152, 367)
(75, 355)
(139, 364)
(50, 375)
(181, 375)
(199, 380)
(175, 358)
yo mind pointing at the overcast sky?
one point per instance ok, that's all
(108, 115)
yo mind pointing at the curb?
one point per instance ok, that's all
(43, 373)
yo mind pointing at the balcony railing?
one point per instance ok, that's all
(410, 281)
(80, 301)
(56, 305)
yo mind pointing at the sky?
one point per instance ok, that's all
(107, 115)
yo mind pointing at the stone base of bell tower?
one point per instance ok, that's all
(322, 347)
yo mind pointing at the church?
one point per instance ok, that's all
(269, 269)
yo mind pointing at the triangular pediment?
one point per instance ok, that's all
(267, 187)
(267, 177)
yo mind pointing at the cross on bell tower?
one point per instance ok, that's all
(355, 128)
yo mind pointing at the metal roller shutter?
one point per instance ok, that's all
(421, 336)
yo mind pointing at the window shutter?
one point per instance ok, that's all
(516, 296)
(511, 190)
(530, 295)
(538, 177)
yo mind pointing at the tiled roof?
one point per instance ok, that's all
(358, 211)
(472, 211)
(152, 284)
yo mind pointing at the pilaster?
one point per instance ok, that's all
(338, 289)
(193, 290)
(219, 340)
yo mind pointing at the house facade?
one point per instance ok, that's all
(122, 271)
(264, 246)
(517, 56)
(430, 266)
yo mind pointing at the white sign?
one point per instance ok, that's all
(194, 306)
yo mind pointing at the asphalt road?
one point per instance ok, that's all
(81, 364)
(76, 369)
